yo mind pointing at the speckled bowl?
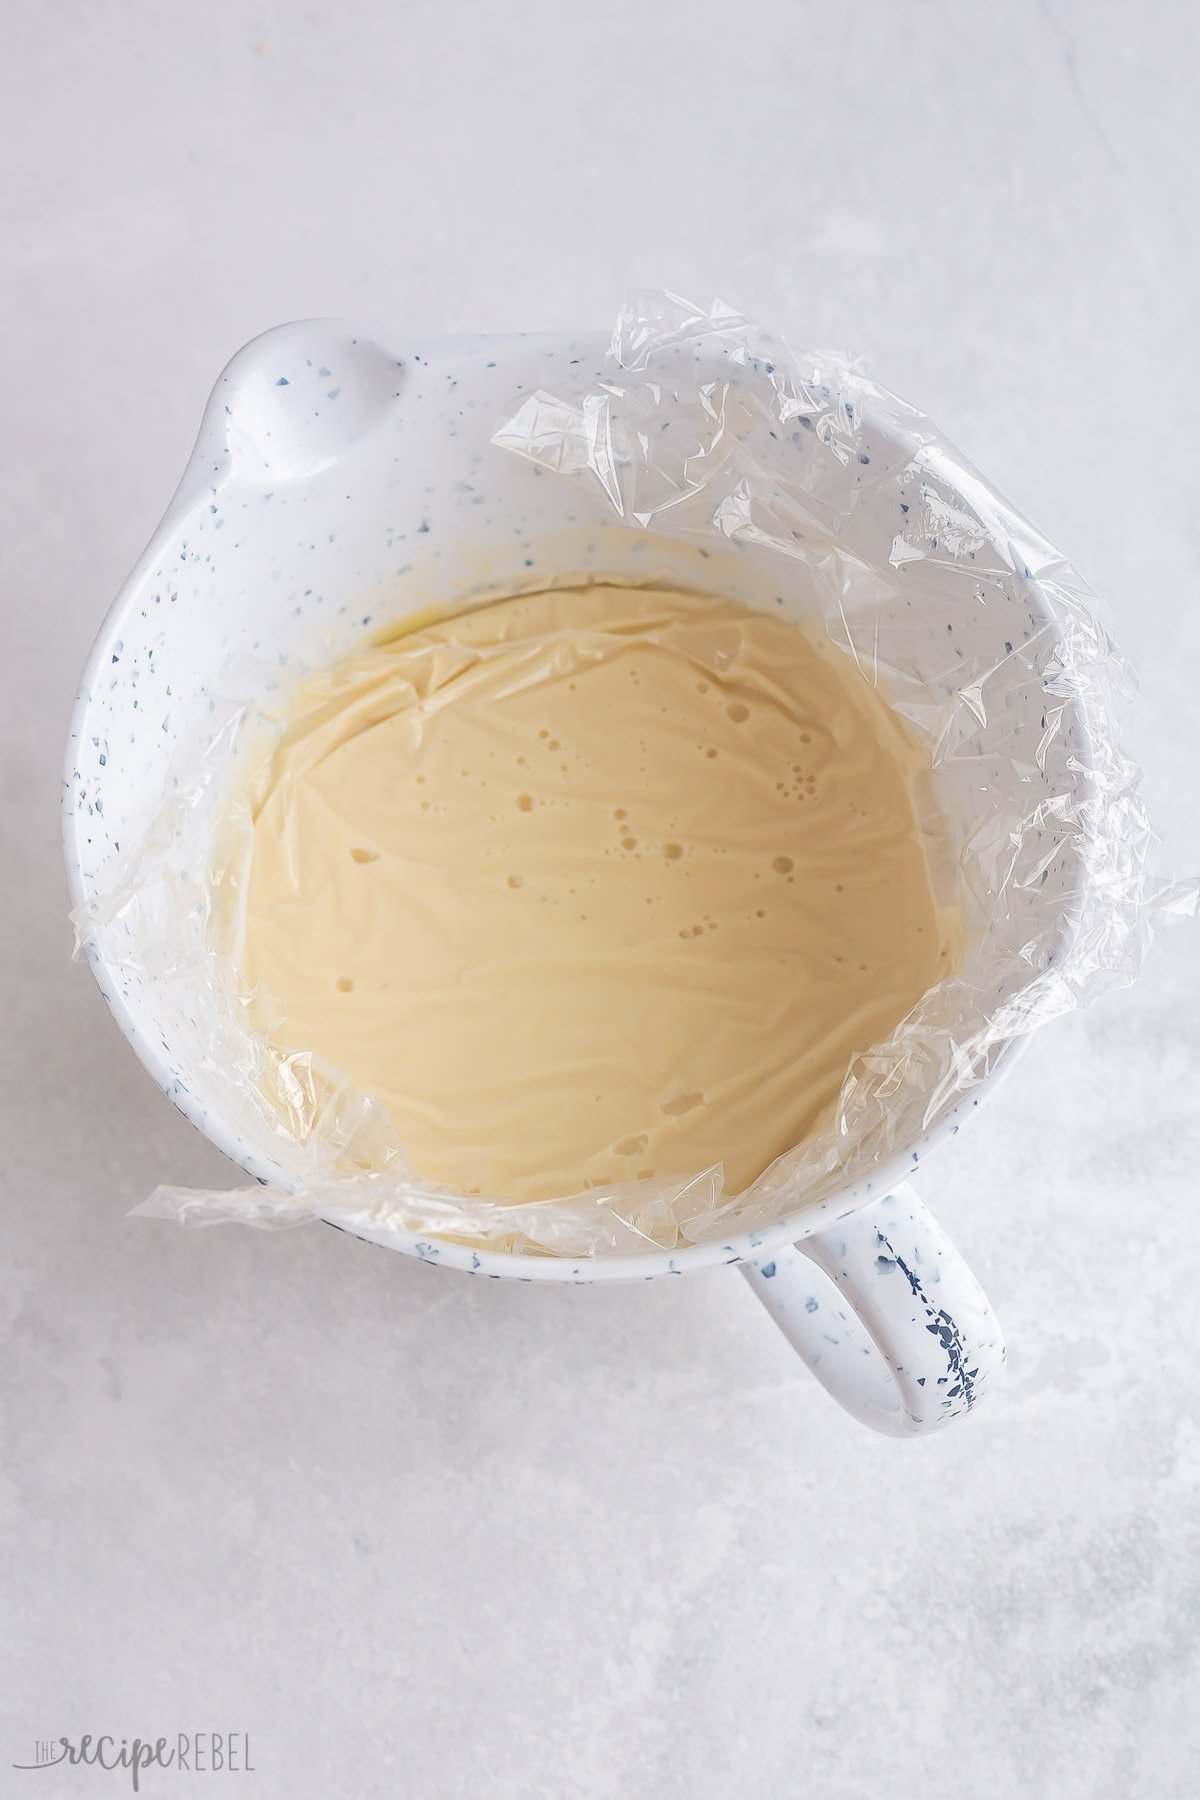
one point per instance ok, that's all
(343, 476)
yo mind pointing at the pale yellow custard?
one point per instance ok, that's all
(592, 885)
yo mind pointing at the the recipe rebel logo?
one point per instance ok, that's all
(193, 1753)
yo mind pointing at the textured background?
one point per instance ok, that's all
(444, 1539)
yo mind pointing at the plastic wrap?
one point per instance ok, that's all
(706, 431)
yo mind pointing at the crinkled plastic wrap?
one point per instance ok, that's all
(705, 429)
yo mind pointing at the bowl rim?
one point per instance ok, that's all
(808, 1218)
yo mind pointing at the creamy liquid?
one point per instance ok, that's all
(592, 885)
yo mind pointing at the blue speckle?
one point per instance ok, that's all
(812, 1303)
(768, 1270)
(283, 382)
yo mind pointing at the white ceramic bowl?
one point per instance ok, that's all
(343, 476)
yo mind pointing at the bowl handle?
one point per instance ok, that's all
(887, 1315)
